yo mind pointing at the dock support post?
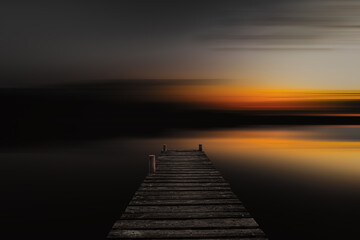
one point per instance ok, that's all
(164, 149)
(200, 147)
(152, 165)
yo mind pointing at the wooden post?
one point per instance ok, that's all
(152, 166)
(200, 147)
(164, 149)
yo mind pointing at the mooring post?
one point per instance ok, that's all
(164, 149)
(152, 165)
(200, 147)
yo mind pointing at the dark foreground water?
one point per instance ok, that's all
(297, 182)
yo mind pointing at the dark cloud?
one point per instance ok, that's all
(286, 49)
(275, 37)
(349, 26)
(288, 22)
(53, 40)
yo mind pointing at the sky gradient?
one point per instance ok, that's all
(259, 44)
(269, 87)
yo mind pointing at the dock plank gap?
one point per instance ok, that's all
(185, 197)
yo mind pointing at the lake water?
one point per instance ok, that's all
(297, 182)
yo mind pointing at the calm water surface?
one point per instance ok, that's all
(297, 182)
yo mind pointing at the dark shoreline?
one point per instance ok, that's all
(43, 115)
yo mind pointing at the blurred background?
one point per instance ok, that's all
(270, 89)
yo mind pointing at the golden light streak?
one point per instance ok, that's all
(235, 97)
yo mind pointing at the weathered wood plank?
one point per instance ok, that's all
(184, 188)
(185, 198)
(177, 157)
(182, 158)
(190, 215)
(188, 193)
(187, 223)
(178, 153)
(206, 184)
(182, 150)
(170, 176)
(187, 162)
(160, 170)
(183, 209)
(186, 233)
(203, 180)
(184, 167)
(183, 201)
(203, 156)
(194, 171)
(246, 238)
(158, 175)
(233, 238)
(185, 170)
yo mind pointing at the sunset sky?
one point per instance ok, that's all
(280, 53)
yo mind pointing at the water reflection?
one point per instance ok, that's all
(297, 182)
(330, 153)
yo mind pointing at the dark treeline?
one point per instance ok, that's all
(35, 115)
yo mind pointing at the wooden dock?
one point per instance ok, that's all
(185, 197)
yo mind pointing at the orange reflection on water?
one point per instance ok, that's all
(288, 151)
(331, 114)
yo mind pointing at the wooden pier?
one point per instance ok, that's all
(185, 197)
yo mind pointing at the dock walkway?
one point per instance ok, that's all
(185, 197)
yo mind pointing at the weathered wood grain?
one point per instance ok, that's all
(186, 198)
(201, 180)
(184, 168)
(186, 223)
(211, 188)
(191, 215)
(185, 158)
(207, 184)
(180, 172)
(184, 175)
(177, 202)
(216, 238)
(183, 233)
(161, 177)
(184, 193)
(181, 196)
(185, 162)
(182, 153)
(183, 209)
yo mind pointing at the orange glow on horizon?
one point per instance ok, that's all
(238, 98)
(332, 114)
